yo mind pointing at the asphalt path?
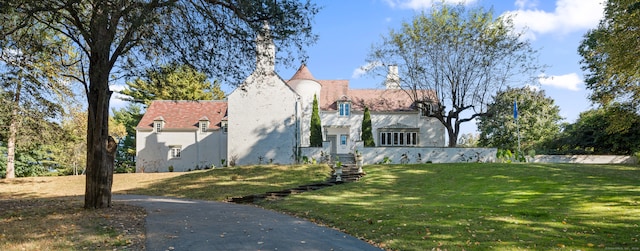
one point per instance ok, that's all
(182, 224)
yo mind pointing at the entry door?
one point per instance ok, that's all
(334, 143)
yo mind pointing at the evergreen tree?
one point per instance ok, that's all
(316, 127)
(172, 82)
(367, 134)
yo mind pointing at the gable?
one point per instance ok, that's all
(183, 115)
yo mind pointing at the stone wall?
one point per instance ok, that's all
(411, 155)
(584, 159)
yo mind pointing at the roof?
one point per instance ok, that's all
(302, 73)
(378, 100)
(184, 114)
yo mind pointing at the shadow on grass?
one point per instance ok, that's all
(62, 224)
(483, 206)
(221, 184)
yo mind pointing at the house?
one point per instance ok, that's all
(181, 136)
(267, 120)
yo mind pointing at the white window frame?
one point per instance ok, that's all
(225, 126)
(204, 125)
(425, 109)
(344, 109)
(157, 126)
(398, 138)
(175, 152)
(343, 139)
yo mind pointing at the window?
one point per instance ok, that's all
(224, 124)
(204, 125)
(398, 138)
(425, 109)
(175, 151)
(343, 139)
(344, 108)
(157, 125)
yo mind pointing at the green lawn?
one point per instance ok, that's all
(224, 183)
(483, 206)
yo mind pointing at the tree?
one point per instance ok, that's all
(610, 54)
(72, 149)
(172, 82)
(367, 133)
(538, 119)
(129, 117)
(453, 60)
(115, 37)
(29, 94)
(315, 139)
(612, 129)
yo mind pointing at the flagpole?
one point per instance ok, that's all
(515, 115)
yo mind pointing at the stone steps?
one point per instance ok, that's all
(349, 174)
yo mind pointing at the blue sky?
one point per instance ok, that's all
(348, 29)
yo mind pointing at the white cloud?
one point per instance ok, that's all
(422, 4)
(116, 98)
(569, 81)
(358, 72)
(568, 16)
(521, 4)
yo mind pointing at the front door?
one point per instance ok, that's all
(334, 143)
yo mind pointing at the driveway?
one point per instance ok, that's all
(182, 224)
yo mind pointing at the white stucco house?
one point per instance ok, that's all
(182, 135)
(267, 120)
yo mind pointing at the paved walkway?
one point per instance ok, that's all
(181, 224)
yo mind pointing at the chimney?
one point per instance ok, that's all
(265, 50)
(393, 79)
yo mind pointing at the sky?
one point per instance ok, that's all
(348, 29)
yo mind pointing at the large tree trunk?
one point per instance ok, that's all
(453, 137)
(13, 131)
(99, 174)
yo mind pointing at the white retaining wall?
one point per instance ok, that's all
(416, 155)
(373, 155)
(584, 159)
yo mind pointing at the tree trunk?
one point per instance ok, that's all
(99, 172)
(13, 131)
(453, 129)
(453, 137)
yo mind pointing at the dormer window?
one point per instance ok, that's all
(204, 124)
(158, 123)
(224, 125)
(344, 109)
(425, 109)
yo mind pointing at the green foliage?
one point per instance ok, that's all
(613, 129)
(538, 119)
(110, 39)
(315, 139)
(172, 82)
(610, 54)
(455, 58)
(129, 117)
(367, 130)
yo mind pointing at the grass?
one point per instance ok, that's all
(222, 184)
(398, 207)
(483, 207)
(45, 213)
